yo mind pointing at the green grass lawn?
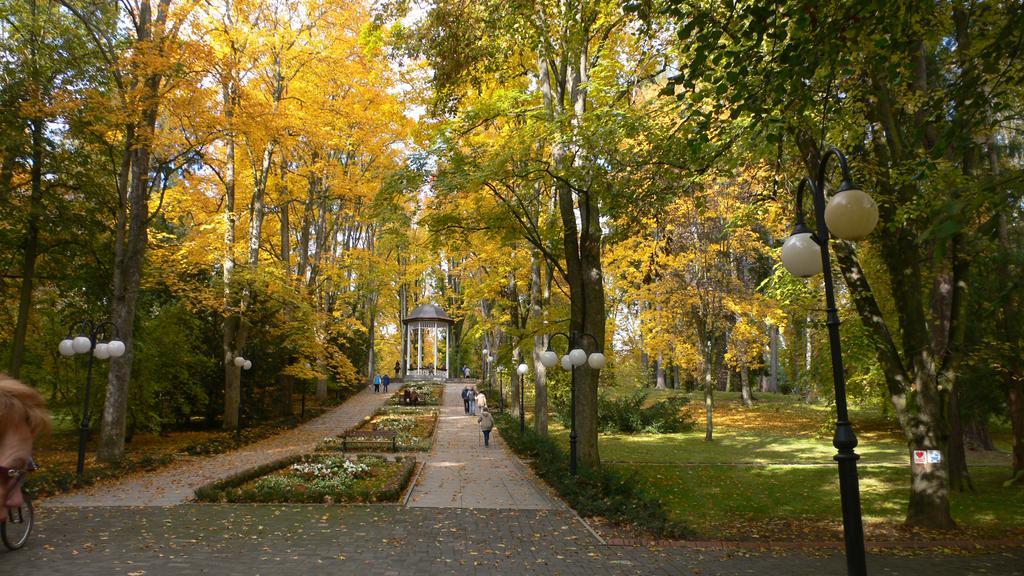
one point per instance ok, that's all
(769, 472)
(719, 500)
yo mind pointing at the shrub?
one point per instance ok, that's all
(47, 481)
(227, 441)
(628, 415)
(593, 492)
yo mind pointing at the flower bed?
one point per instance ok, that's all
(414, 427)
(429, 394)
(315, 478)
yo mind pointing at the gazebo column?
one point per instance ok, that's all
(434, 329)
(447, 350)
(419, 347)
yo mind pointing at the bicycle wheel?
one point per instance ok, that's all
(14, 532)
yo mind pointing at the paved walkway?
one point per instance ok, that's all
(474, 512)
(385, 540)
(176, 483)
(461, 473)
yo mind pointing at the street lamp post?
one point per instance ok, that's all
(522, 369)
(244, 364)
(501, 389)
(87, 342)
(484, 360)
(572, 360)
(849, 215)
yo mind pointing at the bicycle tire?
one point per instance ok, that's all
(16, 530)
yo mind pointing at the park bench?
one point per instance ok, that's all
(384, 437)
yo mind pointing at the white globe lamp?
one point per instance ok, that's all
(596, 360)
(566, 363)
(522, 369)
(66, 347)
(548, 359)
(116, 348)
(239, 361)
(247, 364)
(81, 344)
(851, 214)
(801, 254)
(577, 356)
(101, 351)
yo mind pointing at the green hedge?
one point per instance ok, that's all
(599, 492)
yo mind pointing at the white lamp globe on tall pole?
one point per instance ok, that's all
(101, 351)
(549, 359)
(566, 363)
(596, 360)
(239, 361)
(66, 347)
(522, 369)
(851, 214)
(116, 348)
(801, 254)
(577, 356)
(81, 344)
(247, 364)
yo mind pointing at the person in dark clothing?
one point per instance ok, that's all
(465, 398)
(398, 368)
(385, 380)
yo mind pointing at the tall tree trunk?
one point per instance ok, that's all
(748, 400)
(538, 299)
(659, 372)
(233, 330)
(130, 255)
(30, 247)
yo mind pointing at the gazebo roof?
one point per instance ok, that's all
(426, 312)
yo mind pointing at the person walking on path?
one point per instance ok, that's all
(465, 398)
(385, 380)
(481, 401)
(398, 368)
(376, 384)
(472, 401)
(486, 422)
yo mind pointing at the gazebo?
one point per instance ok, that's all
(428, 331)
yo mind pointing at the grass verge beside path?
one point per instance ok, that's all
(798, 502)
(770, 473)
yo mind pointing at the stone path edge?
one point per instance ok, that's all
(968, 545)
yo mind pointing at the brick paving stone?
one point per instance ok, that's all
(177, 483)
(461, 473)
(251, 540)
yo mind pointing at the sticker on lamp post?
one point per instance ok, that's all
(927, 456)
